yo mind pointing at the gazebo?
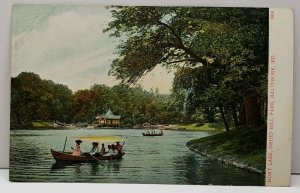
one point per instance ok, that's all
(108, 119)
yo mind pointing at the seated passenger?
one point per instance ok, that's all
(113, 148)
(102, 151)
(76, 149)
(119, 148)
(109, 151)
(95, 149)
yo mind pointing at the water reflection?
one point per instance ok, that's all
(114, 165)
(77, 169)
(211, 172)
(58, 166)
(94, 168)
(222, 174)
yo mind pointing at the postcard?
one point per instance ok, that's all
(151, 95)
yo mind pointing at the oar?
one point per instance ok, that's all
(95, 157)
(123, 146)
(128, 142)
(65, 144)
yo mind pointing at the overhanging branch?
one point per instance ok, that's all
(180, 44)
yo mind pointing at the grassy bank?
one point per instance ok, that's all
(198, 127)
(41, 124)
(245, 147)
(34, 125)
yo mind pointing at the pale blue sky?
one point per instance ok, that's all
(66, 44)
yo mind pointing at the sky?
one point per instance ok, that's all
(66, 44)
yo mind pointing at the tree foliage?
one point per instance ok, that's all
(220, 55)
(36, 99)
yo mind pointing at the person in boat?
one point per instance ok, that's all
(76, 149)
(113, 148)
(109, 151)
(95, 149)
(119, 148)
(102, 151)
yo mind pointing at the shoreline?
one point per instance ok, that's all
(226, 161)
(124, 128)
(103, 128)
(243, 148)
(48, 125)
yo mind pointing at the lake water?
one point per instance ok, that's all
(148, 160)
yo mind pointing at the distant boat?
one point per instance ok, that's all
(62, 125)
(153, 134)
(90, 127)
(58, 124)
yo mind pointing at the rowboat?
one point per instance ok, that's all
(68, 157)
(63, 156)
(153, 134)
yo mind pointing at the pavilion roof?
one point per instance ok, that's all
(109, 115)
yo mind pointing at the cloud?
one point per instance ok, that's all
(67, 45)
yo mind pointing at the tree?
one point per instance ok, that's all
(230, 43)
(82, 104)
(35, 99)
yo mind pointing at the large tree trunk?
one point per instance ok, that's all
(250, 111)
(224, 118)
(234, 115)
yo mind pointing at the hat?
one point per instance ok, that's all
(78, 141)
(95, 143)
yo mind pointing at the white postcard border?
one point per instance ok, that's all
(280, 97)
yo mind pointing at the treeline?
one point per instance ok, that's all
(35, 99)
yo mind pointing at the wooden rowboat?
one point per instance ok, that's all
(68, 157)
(153, 134)
(63, 156)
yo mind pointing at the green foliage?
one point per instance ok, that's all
(35, 99)
(41, 124)
(199, 127)
(193, 35)
(220, 56)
